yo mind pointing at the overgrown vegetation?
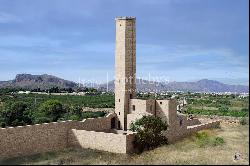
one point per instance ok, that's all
(243, 121)
(204, 139)
(149, 133)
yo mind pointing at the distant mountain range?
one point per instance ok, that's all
(45, 81)
(203, 85)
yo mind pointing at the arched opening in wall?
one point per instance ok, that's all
(151, 108)
(113, 123)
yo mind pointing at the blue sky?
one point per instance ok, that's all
(181, 40)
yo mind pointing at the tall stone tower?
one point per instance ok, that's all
(125, 67)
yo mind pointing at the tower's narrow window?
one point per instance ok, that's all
(133, 107)
(119, 100)
(119, 113)
(160, 102)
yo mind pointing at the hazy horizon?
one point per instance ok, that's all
(149, 78)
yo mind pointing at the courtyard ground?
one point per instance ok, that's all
(186, 151)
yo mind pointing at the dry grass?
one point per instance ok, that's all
(186, 151)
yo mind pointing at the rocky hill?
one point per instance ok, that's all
(203, 85)
(45, 81)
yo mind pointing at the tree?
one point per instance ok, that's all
(74, 113)
(49, 111)
(149, 132)
(15, 114)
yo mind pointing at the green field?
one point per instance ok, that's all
(93, 101)
(221, 105)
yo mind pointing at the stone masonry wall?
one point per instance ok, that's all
(174, 135)
(116, 143)
(32, 139)
(138, 104)
(95, 124)
(26, 140)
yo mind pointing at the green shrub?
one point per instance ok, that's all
(203, 139)
(149, 132)
(243, 121)
(223, 109)
(217, 141)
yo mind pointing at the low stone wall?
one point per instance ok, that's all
(194, 121)
(26, 140)
(96, 124)
(32, 139)
(179, 133)
(116, 143)
(203, 126)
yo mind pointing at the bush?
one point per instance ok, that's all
(223, 109)
(218, 141)
(243, 121)
(149, 133)
(203, 139)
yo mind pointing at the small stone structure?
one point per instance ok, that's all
(108, 133)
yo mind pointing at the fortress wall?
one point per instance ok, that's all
(116, 143)
(196, 128)
(31, 139)
(179, 133)
(95, 124)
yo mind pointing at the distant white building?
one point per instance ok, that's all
(23, 92)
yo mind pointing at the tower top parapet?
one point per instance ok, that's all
(125, 18)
